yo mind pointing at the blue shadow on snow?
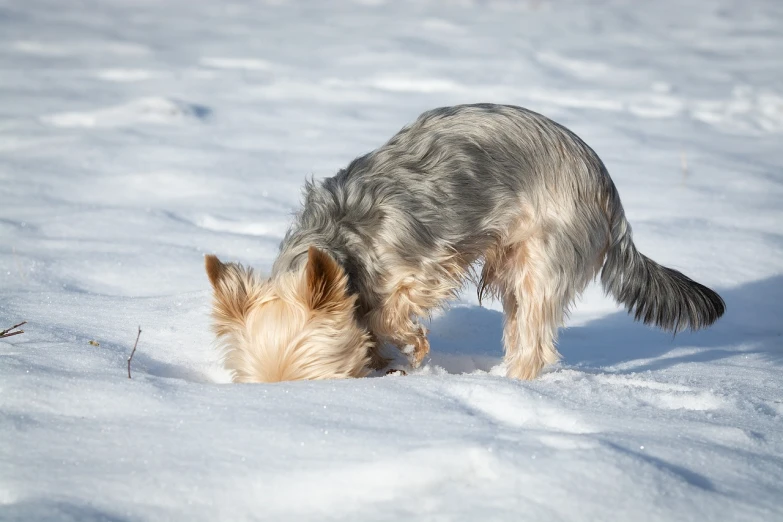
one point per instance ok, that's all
(469, 338)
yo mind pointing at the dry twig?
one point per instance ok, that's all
(9, 333)
(134, 351)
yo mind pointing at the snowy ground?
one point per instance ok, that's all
(135, 136)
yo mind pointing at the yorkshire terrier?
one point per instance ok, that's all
(397, 232)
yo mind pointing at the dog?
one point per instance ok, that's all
(396, 234)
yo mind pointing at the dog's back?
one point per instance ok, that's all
(460, 181)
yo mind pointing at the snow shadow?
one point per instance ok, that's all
(61, 510)
(149, 365)
(466, 339)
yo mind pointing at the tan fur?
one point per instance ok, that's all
(412, 293)
(522, 272)
(377, 360)
(311, 315)
(301, 325)
(532, 311)
(408, 221)
(298, 326)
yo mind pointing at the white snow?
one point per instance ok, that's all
(137, 136)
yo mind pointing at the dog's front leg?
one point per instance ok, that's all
(377, 360)
(397, 324)
(416, 345)
(411, 340)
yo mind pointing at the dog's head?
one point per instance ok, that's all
(299, 325)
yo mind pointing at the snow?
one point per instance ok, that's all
(136, 136)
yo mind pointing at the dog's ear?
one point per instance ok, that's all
(215, 269)
(233, 286)
(325, 279)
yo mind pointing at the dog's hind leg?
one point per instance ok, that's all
(536, 286)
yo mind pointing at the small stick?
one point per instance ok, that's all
(9, 333)
(134, 351)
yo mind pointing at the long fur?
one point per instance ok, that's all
(298, 327)
(655, 294)
(406, 224)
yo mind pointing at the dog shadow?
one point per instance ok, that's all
(466, 339)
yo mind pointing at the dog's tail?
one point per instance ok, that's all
(655, 294)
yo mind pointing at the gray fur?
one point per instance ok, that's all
(656, 294)
(460, 180)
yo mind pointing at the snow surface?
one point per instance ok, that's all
(135, 136)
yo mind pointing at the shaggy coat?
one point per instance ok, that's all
(399, 230)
